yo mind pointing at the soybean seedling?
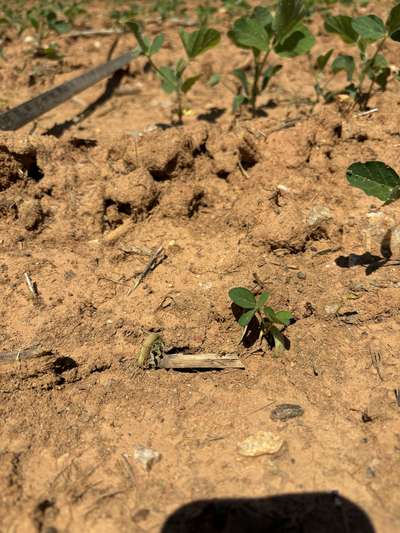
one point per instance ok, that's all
(254, 308)
(173, 80)
(368, 34)
(263, 32)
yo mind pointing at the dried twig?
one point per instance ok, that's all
(22, 355)
(365, 113)
(242, 170)
(31, 286)
(200, 360)
(137, 250)
(376, 361)
(397, 395)
(154, 261)
(94, 33)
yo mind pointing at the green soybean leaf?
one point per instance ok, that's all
(263, 16)
(262, 299)
(269, 73)
(382, 78)
(323, 59)
(342, 25)
(156, 44)
(369, 27)
(238, 101)
(169, 81)
(249, 33)
(240, 74)
(270, 314)
(60, 26)
(198, 42)
(142, 41)
(393, 23)
(375, 179)
(284, 317)
(243, 298)
(189, 82)
(346, 63)
(288, 14)
(180, 67)
(213, 80)
(298, 42)
(246, 318)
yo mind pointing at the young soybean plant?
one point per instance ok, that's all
(376, 179)
(266, 316)
(173, 80)
(263, 33)
(368, 34)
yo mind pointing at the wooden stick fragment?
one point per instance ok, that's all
(200, 360)
(152, 355)
(31, 286)
(22, 355)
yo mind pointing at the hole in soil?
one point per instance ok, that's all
(200, 150)
(164, 174)
(246, 157)
(223, 174)
(29, 163)
(77, 142)
(62, 364)
(318, 235)
(337, 130)
(361, 137)
(196, 202)
(115, 213)
(289, 248)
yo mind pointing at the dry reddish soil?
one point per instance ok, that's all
(258, 203)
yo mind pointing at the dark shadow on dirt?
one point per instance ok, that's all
(316, 512)
(371, 262)
(212, 115)
(112, 84)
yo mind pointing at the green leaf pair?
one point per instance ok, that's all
(255, 307)
(261, 32)
(375, 179)
(367, 27)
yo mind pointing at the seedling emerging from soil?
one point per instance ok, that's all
(375, 179)
(369, 34)
(254, 308)
(173, 79)
(262, 33)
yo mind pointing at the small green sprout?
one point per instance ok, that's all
(173, 79)
(267, 318)
(168, 8)
(376, 179)
(369, 34)
(263, 33)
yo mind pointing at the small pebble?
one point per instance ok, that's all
(261, 443)
(146, 457)
(332, 309)
(318, 215)
(285, 411)
(301, 275)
